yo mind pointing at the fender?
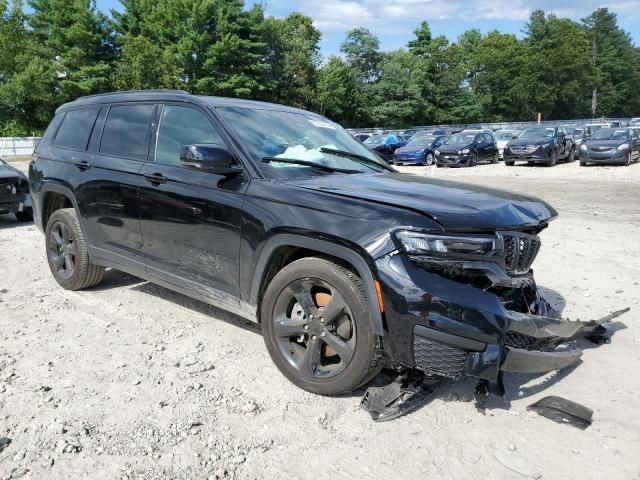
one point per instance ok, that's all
(329, 248)
(57, 188)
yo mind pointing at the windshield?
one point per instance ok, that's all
(375, 140)
(537, 133)
(609, 134)
(421, 139)
(505, 135)
(461, 139)
(297, 136)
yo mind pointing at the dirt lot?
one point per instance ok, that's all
(130, 380)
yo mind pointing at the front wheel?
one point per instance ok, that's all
(315, 324)
(628, 162)
(509, 163)
(67, 252)
(553, 160)
(428, 161)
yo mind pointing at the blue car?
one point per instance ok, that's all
(419, 150)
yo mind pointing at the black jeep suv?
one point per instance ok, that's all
(280, 216)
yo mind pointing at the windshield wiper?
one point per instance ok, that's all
(306, 163)
(353, 156)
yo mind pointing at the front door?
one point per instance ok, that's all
(191, 220)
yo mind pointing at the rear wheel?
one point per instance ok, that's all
(315, 323)
(67, 252)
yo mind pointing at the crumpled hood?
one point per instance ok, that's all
(7, 171)
(531, 141)
(453, 148)
(456, 206)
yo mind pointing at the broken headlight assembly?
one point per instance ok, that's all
(501, 259)
(446, 246)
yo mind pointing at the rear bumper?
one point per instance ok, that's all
(451, 329)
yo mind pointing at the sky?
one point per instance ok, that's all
(393, 21)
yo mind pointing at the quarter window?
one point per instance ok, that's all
(76, 128)
(125, 131)
(182, 126)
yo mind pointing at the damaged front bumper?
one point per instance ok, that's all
(448, 328)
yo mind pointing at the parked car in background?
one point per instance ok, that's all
(579, 135)
(419, 150)
(634, 122)
(441, 132)
(361, 136)
(591, 128)
(540, 145)
(467, 148)
(611, 145)
(14, 193)
(385, 144)
(503, 137)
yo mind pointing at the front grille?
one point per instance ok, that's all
(524, 148)
(601, 149)
(520, 251)
(436, 358)
(525, 342)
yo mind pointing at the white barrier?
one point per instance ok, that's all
(17, 146)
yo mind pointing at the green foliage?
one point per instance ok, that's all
(62, 49)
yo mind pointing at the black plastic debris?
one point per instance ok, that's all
(407, 392)
(4, 443)
(563, 411)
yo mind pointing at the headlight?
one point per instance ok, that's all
(583, 147)
(464, 151)
(418, 243)
(437, 152)
(624, 146)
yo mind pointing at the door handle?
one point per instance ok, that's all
(155, 178)
(83, 165)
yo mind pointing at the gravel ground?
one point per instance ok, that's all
(129, 380)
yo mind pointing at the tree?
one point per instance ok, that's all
(361, 50)
(75, 37)
(612, 55)
(339, 93)
(293, 58)
(419, 46)
(558, 67)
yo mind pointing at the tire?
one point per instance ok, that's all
(473, 161)
(428, 160)
(438, 165)
(301, 341)
(67, 252)
(553, 160)
(509, 163)
(628, 162)
(494, 159)
(25, 216)
(572, 155)
(583, 164)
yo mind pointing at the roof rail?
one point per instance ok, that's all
(153, 90)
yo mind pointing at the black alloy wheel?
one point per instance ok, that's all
(62, 250)
(316, 326)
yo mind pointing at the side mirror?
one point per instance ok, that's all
(209, 158)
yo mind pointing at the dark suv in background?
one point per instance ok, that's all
(546, 145)
(282, 217)
(467, 148)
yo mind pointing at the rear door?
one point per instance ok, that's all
(108, 194)
(191, 220)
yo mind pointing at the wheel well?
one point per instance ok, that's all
(53, 201)
(286, 254)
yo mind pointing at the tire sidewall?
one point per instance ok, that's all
(64, 216)
(354, 374)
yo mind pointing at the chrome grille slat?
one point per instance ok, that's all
(520, 251)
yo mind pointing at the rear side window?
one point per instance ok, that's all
(125, 131)
(76, 128)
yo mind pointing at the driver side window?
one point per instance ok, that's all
(180, 126)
